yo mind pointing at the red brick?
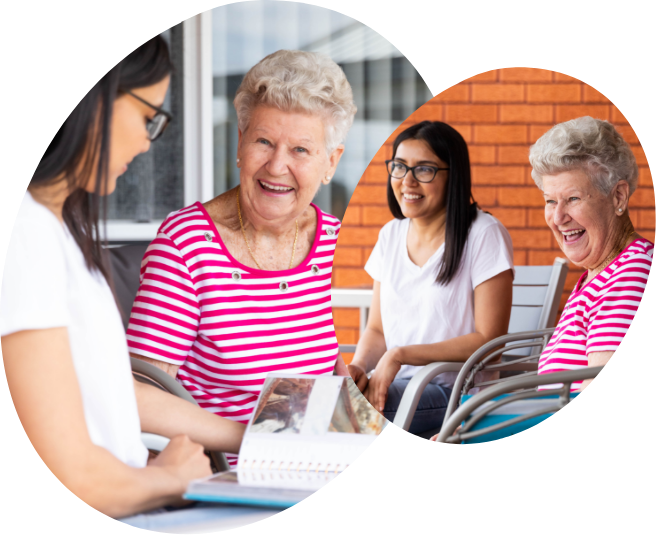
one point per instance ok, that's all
(627, 133)
(369, 195)
(647, 177)
(485, 196)
(375, 173)
(616, 116)
(502, 134)
(543, 258)
(346, 317)
(376, 215)
(553, 93)
(489, 76)
(535, 132)
(573, 277)
(536, 218)
(465, 130)
(510, 217)
(497, 93)
(482, 154)
(353, 215)
(347, 357)
(647, 219)
(520, 196)
(497, 175)
(610, 92)
(649, 234)
(513, 154)
(568, 112)
(428, 112)
(642, 198)
(351, 278)
(530, 239)
(366, 253)
(348, 256)
(526, 113)
(633, 216)
(642, 151)
(456, 93)
(519, 257)
(525, 74)
(560, 77)
(357, 236)
(470, 113)
(346, 336)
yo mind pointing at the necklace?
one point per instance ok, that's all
(243, 233)
(626, 235)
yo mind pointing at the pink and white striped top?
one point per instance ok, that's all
(226, 324)
(598, 315)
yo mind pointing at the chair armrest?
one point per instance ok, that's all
(524, 382)
(416, 386)
(154, 442)
(159, 378)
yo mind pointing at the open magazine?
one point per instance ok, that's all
(303, 432)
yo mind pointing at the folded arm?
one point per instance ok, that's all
(492, 305)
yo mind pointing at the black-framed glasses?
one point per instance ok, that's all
(422, 173)
(158, 123)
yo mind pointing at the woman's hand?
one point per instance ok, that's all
(386, 370)
(184, 460)
(359, 376)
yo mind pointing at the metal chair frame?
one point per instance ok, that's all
(148, 374)
(455, 431)
(486, 358)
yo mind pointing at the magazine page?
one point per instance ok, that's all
(306, 430)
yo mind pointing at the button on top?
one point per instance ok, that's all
(283, 286)
(330, 231)
(315, 269)
(208, 236)
(236, 276)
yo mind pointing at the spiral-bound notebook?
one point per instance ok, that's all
(304, 431)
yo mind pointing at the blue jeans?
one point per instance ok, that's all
(430, 409)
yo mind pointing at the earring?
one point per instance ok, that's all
(328, 177)
(238, 160)
(619, 210)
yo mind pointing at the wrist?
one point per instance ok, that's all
(397, 355)
(357, 364)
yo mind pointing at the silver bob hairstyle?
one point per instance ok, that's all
(591, 145)
(299, 81)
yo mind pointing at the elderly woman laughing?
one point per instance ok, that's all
(240, 286)
(587, 173)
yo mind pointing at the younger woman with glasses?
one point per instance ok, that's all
(442, 271)
(63, 344)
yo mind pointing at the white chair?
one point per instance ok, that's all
(536, 297)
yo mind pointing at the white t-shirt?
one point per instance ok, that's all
(417, 310)
(46, 284)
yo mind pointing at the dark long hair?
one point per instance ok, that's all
(82, 144)
(450, 147)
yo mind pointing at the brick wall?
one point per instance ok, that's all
(500, 114)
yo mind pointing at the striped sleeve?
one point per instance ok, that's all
(611, 315)
(166, 314)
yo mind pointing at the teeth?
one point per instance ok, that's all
(274, 188)
(571, 232)
(412, 197)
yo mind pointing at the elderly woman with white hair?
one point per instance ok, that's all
(240, 286)
(587, 174)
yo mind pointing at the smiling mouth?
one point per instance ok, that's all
(273, 188)
(412, 196)
(571, 236)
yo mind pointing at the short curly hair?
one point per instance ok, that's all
(592, 145)
(295, 80)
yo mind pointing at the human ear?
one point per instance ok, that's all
(333, 160)
(621, 197)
